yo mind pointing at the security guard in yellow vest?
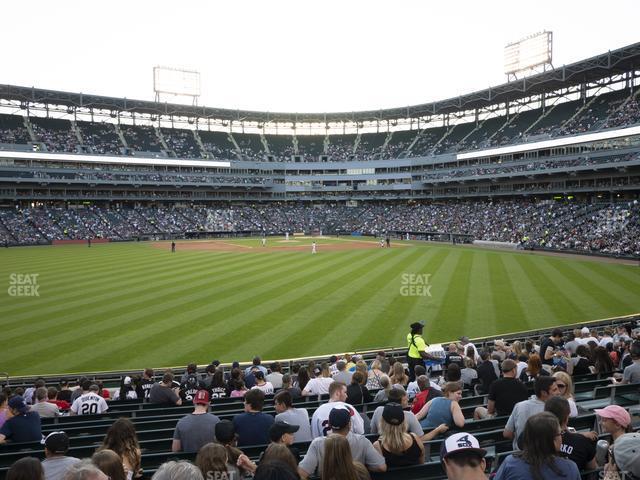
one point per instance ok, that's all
(417, 348)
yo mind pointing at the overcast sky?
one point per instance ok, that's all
(296, 56)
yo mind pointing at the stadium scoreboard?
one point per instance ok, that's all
(528, 53)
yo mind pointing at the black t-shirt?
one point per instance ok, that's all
(145, 386)
(577, 448)
(217, 392)
(582, 367)
(506, 392)
(543, 350)
(454, 358)
(486, 375)
(525, 377)
(189, 389)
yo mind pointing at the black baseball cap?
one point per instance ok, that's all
(339, 418)
(416, 325)
(393, 413)
(280, 428)
(18, 403)
(56, 442)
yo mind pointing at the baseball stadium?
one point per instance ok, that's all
(191, 241)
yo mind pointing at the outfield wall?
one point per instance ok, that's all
(79, 242)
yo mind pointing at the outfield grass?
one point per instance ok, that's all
(116, 306)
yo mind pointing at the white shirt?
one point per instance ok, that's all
(267, 388)
(603, 342)
(320, 420)
(413, 389)
(520, 366)
(89, 404)
(318, 386)
(131, 395)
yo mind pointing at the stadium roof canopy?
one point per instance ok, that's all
(592, 69)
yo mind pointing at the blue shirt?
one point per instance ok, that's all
(514, 468)
(253, 428)
(439, 412)
(23, 428)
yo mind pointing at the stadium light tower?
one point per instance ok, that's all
(176, 82)
(528, 55)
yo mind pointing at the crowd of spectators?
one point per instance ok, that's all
(606, 228)
(628, 114)
(517, 167)
(102, 139)
(182, 143)
(56, 139)
(336, 438)
(151, 178)
(15, 135)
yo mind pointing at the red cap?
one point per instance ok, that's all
(201, 398)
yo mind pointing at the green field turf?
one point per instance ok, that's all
(116, 306)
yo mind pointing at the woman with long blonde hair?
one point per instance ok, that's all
(565, 385)
(399, 377)
(374, 375)
(398, 447)
(517, 349)
(122, 439)
(338, 463)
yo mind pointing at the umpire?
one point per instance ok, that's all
(416, 354)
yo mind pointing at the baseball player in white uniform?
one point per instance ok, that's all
(313, 248)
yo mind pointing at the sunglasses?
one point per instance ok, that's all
(561, 385)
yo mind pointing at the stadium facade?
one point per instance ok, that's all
(569, 134)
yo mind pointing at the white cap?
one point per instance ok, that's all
(459, 442)
(585, 331)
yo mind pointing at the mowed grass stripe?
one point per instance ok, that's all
(320, 323)
(552, 289)
(388, 325)
(189, 283)
(66, 262)
(610, 292)
(150, 315)
(479, 304)
(586, 289)
(86, 271)
(537, 309)
(453, 292)
(126, 309)
(272, 316)
(119, 291)
(614, 276)
(101, 287)
(231, 315)
(507, 307)
(301, 304)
